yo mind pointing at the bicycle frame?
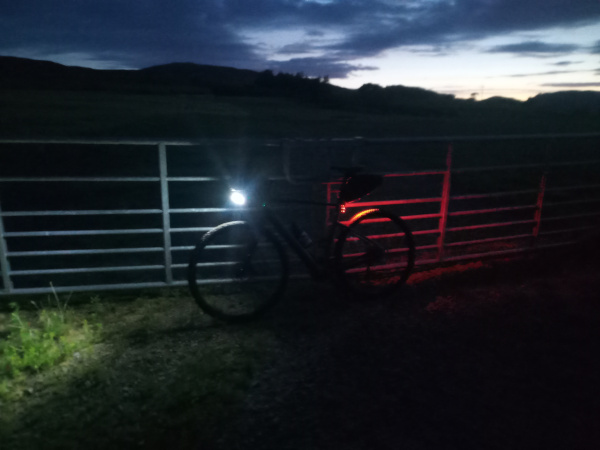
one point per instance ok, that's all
(317, 271)
(263, 215)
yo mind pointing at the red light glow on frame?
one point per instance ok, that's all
(362, 213)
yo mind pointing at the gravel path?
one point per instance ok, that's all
(507, 362)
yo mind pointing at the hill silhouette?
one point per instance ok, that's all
(225, 82)
(21, 73)
(567, 102)
(216, 79)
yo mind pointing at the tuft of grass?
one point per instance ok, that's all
(164, 375)
(51, 336)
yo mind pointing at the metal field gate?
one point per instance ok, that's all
(99, 215)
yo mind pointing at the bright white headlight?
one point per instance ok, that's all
(237, 197)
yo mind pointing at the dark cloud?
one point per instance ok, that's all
(135, 33)
(436, 22)
(596, 48)
(565, 63)
(537, 74)
(535, 48)
(295, 49)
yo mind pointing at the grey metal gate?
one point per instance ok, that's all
(134, 215)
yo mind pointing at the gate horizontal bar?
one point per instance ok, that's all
(85, 270)
(525, 166)
(491, 225)
(572, 216)
(81, 232)
(571, 188)
(488, 240)
(569, 230)
(76, 252)
(89, 212)
(491, 210)
(394, 202)
(572, 202)
(78, 179)
(493, 194)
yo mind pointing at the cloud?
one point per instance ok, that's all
(572, 85)
(537, 74)
(565, 63)
(596, 48)
(437, 22)
(535, 48)
(296, 48)
(134, 33)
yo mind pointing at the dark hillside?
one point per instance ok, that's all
(567, 102)
(185, 100)
(404, 100)
(500, 103)
(214, 78)
(20, 73)
(190, 78)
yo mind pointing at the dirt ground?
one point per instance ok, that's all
(498, 358)
(476, 356)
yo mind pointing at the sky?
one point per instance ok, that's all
(468, 48)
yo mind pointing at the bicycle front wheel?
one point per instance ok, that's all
(375, 255)
(237, 272)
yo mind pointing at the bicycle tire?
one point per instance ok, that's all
(237, 272)
(391, 242)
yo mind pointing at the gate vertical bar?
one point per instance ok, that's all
(538, 210)
(444, 204)
(7, 282)
(328, 208)
(166, 212)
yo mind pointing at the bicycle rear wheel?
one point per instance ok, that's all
(237, 272)
(375, 255)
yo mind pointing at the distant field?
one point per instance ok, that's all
(56, 114)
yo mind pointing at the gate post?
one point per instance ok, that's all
(166, 214)
(4, 264)
(444, 204)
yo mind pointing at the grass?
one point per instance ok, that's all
(147, 379)
(39, 341)
(161, 374)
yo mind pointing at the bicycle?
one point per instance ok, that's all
(240, 269)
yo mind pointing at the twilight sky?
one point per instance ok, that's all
(513, 48)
